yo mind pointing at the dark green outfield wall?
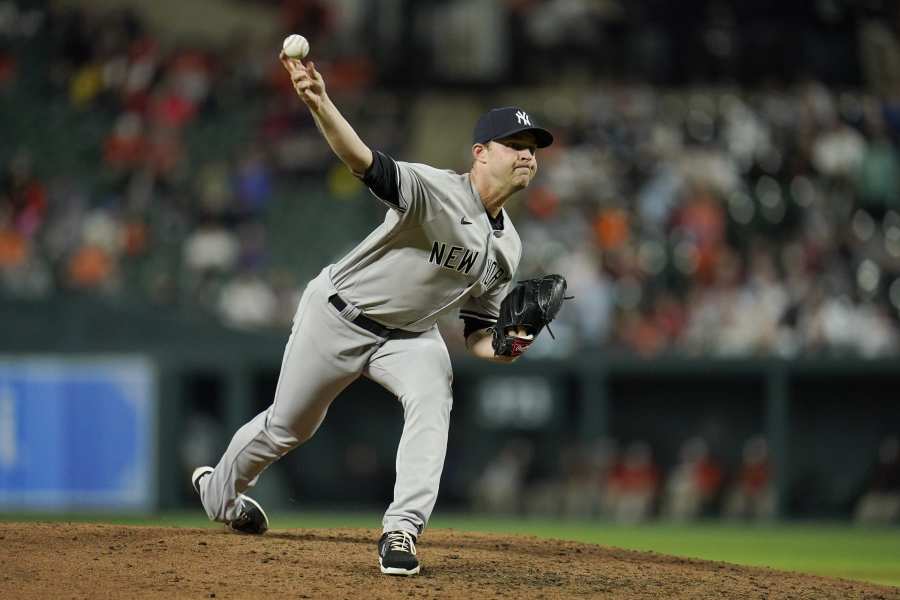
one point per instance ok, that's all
(823, 418)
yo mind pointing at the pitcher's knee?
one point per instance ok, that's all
(287, 436)
(434, 401)
(284, 439)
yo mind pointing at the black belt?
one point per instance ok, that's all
(362, 320)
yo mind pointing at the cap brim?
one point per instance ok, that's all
(543, 137)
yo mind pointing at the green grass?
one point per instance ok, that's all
(835, 550)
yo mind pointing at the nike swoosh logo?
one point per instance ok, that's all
(463, 221)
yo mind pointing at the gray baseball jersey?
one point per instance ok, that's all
(437, 250)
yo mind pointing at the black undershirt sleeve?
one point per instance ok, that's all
(473, 325)
(381, 178)
(496, 222)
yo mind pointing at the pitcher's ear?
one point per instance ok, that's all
(478, 151)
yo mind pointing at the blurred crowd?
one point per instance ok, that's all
(691, 220)
(186, 150)
(709, 222)
(626, 483)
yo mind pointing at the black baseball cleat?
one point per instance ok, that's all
(397, 553)
(251, 519)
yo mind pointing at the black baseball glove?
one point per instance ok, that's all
(531, 305)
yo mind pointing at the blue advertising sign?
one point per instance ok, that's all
(77, 434)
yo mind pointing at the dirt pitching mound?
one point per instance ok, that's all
(66, 560)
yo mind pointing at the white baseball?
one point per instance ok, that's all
(296, 46)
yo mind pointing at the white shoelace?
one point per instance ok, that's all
(402, 541)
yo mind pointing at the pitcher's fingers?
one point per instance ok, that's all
(284, 60)
(291, 64)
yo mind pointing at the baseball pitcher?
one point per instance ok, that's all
(446, 244)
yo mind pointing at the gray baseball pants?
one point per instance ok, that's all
(324, 354)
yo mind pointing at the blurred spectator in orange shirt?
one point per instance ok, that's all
(752, 494)
(12, 248)
(694, 483)
(701, 222)
(90, 267)
(612, 228)
(632, 486)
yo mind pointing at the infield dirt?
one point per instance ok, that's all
(69, 560)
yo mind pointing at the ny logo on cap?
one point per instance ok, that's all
(522, 118)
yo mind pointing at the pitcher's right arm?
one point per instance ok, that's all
(339, 134)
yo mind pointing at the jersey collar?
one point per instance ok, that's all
(496, 223)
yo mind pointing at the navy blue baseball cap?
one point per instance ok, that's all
(503, 122)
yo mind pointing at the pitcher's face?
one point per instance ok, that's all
(513, 159)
